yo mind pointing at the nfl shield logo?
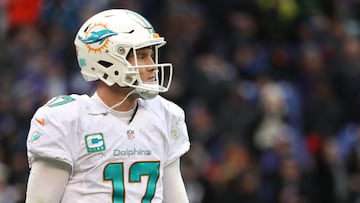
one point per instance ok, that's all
(130, 134)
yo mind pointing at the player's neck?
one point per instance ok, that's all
(113, 95)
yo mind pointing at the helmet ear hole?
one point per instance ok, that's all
(106, 64)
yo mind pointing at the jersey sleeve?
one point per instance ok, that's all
(52, 131)
(179, 139)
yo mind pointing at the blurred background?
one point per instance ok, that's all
(271, 90)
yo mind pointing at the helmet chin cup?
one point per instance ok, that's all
(146, 94)
(149, 90)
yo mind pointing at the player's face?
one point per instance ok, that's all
(145, 57)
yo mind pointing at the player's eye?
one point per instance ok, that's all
(141, 56)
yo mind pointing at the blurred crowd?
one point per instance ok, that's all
(271, 90)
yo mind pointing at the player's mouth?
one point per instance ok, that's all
(151, 79)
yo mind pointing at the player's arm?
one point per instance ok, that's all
(174, 188)
(47, 181)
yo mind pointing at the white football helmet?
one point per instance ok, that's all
(105, 40)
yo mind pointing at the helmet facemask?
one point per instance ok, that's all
(162, 75)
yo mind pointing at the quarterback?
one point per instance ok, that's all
(123, 143)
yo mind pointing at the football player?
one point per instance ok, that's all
(124, 142)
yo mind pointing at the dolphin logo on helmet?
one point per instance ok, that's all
(97, 36)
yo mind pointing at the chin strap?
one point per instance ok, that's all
(115, 105)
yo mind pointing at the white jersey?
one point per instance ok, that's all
(112, 161)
